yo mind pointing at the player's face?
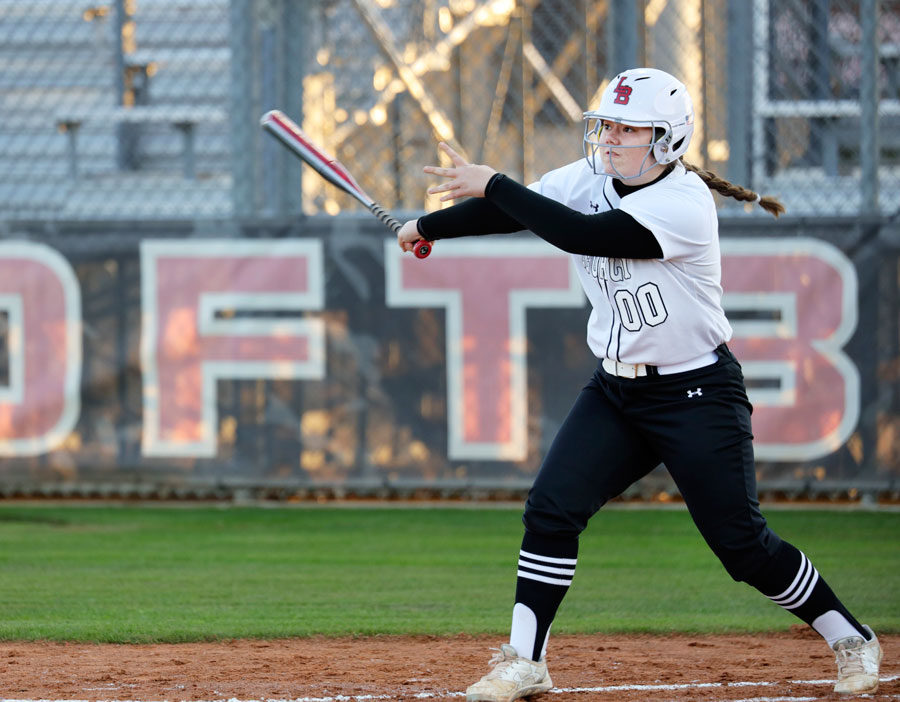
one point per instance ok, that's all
(629, 157)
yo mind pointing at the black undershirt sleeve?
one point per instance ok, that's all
(614, 234)
(470, 217)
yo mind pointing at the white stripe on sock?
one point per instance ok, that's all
(807, 594)
(800, 588)
(800, 571)
(548, 559)
(543, 579)
(808, 573)
(546, 569)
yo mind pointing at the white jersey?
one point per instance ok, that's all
(655, 311)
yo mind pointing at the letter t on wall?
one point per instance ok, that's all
(485, 288)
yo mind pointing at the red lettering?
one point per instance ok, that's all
(187, 344)
(40, 295)
(485, 288)
(623, 92)
(808, 287)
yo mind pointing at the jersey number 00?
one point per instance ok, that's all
(645, 306)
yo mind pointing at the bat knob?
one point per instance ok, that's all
(422, 248)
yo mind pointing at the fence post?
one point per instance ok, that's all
(740, 89)
(242, 125)
(126, 133)
(294, 38)
(868, 98)
(266, 20)
(622, 36)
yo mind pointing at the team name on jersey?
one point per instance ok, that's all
(602, 268)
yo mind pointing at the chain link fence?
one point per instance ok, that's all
(148, 109)
(129, 122)
(114, 110)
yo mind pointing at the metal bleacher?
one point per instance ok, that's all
(62, 127)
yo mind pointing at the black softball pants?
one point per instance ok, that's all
(697, 423)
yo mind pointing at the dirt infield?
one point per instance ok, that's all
(795, 665)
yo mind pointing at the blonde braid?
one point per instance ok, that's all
(720, 185)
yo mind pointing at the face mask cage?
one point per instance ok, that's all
(593, 149)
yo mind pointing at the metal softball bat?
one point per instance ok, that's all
(291, 136)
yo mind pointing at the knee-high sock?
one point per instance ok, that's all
(546, 568)
(792, 582)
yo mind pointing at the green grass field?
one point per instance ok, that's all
(149, 574)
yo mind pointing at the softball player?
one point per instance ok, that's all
(642, 228)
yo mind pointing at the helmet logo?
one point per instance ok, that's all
(622, 92)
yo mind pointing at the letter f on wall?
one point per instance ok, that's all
(192, 335)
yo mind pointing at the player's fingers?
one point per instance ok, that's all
(408, 235)
(438, 171)
(455, 157)
(443, 187)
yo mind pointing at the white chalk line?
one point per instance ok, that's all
(661, 687)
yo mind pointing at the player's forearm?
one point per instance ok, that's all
(614, 233)
(470, 217)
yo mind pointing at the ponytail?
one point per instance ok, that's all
(770, 204)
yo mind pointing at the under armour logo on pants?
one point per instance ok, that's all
(694, 393)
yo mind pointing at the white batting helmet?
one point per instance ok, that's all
(643, 97)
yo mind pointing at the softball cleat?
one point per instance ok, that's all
(857, 662)
(511, 678)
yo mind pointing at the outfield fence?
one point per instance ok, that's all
(186, 312)
(147, 109)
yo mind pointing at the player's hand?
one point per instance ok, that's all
(466, 179)
(408, 235)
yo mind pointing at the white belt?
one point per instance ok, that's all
(634, 370)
